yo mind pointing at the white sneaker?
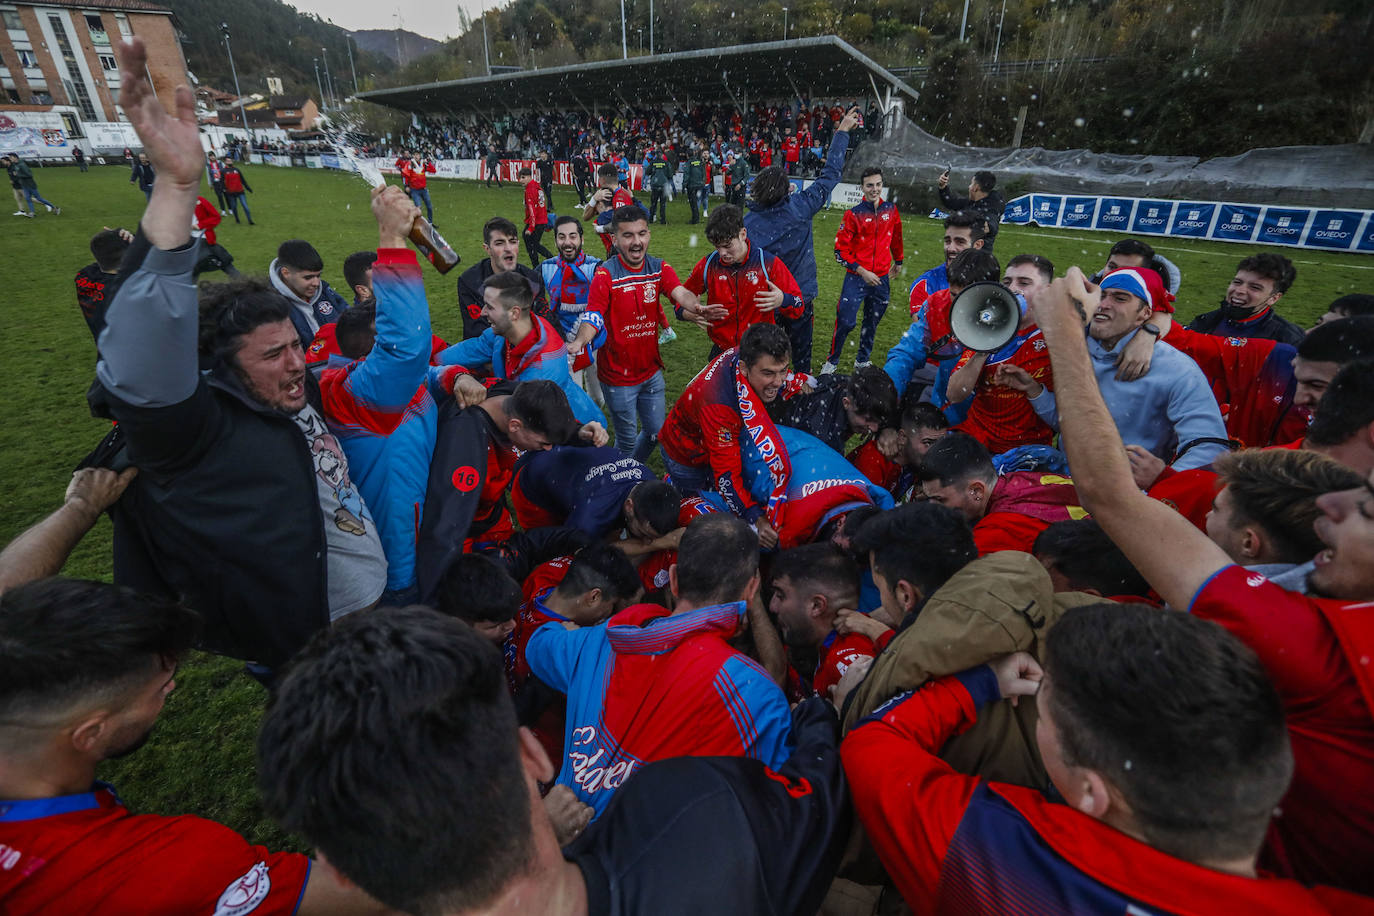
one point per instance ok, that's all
(829, 368)
(29, 215)
(863, 365)
(19, 213)
(667, 335)
(49, 206)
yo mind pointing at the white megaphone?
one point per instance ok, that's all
(985, 316)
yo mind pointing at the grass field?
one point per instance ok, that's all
(201, 758)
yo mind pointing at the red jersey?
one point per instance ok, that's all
(1000, 417)
(1189, 492)
(628, 300)
(791, 148)
(870, 236)
(874, 465)
(1318, 661)
(88, 854)
(233, 181)
(735, 286)
(621, 198)
(1022, 505)
(414, 173)
(765, 156)
(837, 654)
(207, 218)
(536, 210)
(959, 844)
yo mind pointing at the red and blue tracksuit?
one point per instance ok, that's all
(735, 286)
(648, 685)
(926, 285)
(383, 414)
(870, 237)
(959, 844)
(541, 355)
(569, 284)
(930, 338)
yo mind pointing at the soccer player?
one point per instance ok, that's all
(593, 490)
(1247, 310)
(1311, 648)
(653, 684)
(626, 291)
(842, 407)
(478, 590)
(536, 219)
(742, 283)
(812, 585)
(1006, 511)
(869, 245)
(295, 273)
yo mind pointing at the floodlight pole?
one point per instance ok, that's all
(329, 80)
(348, 43)
(784, 23)
(651, 28)
(224, 27)
(486, 47)
(1000, 19)
(964, 24)
(624, 45)
(324, 102)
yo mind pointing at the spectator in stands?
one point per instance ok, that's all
(1347, 306)
(1080, 557)
(1343, 423)
(519, 345)
(626, 292)
(1170, 411)
(1191, 789)
(676, 664)
(594, 490)
(1248, 307)
(85, 668)
(1006, 511)
(300, 547)
(501, 242)
(982, 199)
(536, 218)
(869, 245)
(1311, 647)
(97, 283)
(780, 222)
(295, 273)
(478, 590)
(21, 176)
(450, 819)
(812, 585)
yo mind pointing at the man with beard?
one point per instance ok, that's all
(568, 279)
(85, 668)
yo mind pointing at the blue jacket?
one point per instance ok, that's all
(785, 228)
(382, 412)
(543, 357)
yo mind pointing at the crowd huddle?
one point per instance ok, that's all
(1079, 622)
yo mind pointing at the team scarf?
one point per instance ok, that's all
(1048, 497)
(754, 414)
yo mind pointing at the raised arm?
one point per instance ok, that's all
(42, 550)
(1173, 556)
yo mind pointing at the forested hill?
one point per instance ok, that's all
(1193, 77)
(270, 38)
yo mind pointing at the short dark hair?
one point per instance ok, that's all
(298, 254)
(1277, 490)
(770, 186)
(608, 170)
(108, 249)
(356, 331)
(873, 394)
(1340, 341)
(764, 338)
(1346, 407)
(501, 225)
(565, 220)
(1081, 551)
(1273, 267)
(973, 265)
(724, 224)
(524, 172)
(65, 642)
(1134, 248)
(629, 213)
(870, 171)
(543, 407)
(922, 543)
(657, 503)
(975, 223)
(1352, 304)
(986, 180)
(1179, 716)
(232, 309)
(601, 566)
(918, 414)
(716, 558)
(957, 458)
(821, 564)
(392, 745)
(513, 290)
(476, 588)
(1039, 262)
(356, 266)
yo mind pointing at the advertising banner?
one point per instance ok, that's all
(1282, 226)
(1236, 222)
(33, 134)
(1114, 214)
(1193, 220)
(1078, 212)
(1152, 217)
(1335, 229)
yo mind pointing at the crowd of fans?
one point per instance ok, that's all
(1077, 624)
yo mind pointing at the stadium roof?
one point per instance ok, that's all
(820, 68)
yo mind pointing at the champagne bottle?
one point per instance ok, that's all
(422, 232)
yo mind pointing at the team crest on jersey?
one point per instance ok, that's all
(752, 276)
(326, 308)
(1039, 344)
(650, 292)
(244, 894)
(1235, 341)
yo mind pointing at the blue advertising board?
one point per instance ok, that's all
(1045, 209)
(1365, 241)
(1152, 217)
(1078, 212)
(1193, 220)
(1335, 229)
(1236, 222)
(1282, 225)
(1114, 214)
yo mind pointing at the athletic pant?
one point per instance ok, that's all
(874, 300)
(799, 331)
(219, 196)
(535, 248)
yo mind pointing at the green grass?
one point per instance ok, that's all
(201, 758)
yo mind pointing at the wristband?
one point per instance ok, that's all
(1151, 329)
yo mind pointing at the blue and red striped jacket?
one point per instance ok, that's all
(648, 685)
(381, 410)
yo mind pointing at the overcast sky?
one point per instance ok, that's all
(423, 17)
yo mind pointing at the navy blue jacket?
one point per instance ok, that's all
(784, 229)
